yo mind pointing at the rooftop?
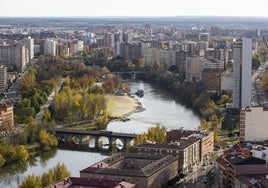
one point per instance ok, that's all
(133, 164)
(88, 182)
(250, 161)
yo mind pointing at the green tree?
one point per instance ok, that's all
(23, 110)
(31, 130)
(2, 160)
(47, 140)
(22, 153)
(60, 172)
(47, 116)
(31, 181)
(47, 178)
(155, 134)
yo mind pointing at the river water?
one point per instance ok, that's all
(160, 108)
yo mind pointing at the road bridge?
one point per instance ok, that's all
(133, 74)
(81, 136)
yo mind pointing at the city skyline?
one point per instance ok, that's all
(138, 8)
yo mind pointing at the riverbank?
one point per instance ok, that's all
(122, 106)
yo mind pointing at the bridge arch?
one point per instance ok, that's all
(79, 137)
(133, 74)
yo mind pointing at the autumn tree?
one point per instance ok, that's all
(11, 153)
(47, 140)
(47, 178)
(31, 181)
(23, 110)
(155, 134)
(57, 173)
(31, 130)
(2, 160)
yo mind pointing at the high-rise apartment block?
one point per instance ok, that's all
(242, 55)
(193, 68)
(50, 47)
(211, 75)
(29, 44)
(13, 55)
(3, 78)
(130, 51)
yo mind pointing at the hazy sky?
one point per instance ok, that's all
(17, 8)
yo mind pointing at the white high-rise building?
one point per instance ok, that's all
(29, 44)
(50, 47)
(242, 55)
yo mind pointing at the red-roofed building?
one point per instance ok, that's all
(140, 169)
(237, 168)
(73, 182)
(206, 140)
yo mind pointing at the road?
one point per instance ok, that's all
(258, 96)
(39, 115)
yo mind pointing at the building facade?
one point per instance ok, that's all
(50, 47)
(29, 44)
(187, 152)
(226, 82)
(13, 55)
(6, 116)
(253, 123)
(242, 63)
(3, 78)
(237, 168)
(193, 68)
(211, 76)
(75, 182)
(206, 144)
(130, 51)
(140, 169)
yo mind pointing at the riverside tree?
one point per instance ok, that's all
(57, 173)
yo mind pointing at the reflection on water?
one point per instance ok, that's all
(160, 108)
(13, 175)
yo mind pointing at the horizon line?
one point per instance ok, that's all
(176, 16)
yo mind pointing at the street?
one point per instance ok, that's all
(199, 177)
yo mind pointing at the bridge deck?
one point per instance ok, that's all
(95, 133)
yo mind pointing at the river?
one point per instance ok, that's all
(160, 108)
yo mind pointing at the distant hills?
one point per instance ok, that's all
(176, 19)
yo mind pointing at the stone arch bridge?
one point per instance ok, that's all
(133, 74)
(80, 136)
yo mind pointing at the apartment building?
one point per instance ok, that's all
(186, 151)
(206, 144)
(13, 55)
(3, 78)
(238, 168)
(211, 75)
(253, 123)
(242, 55)
(50, 47)
(6, 116)
(193, 68)
(140, 169)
